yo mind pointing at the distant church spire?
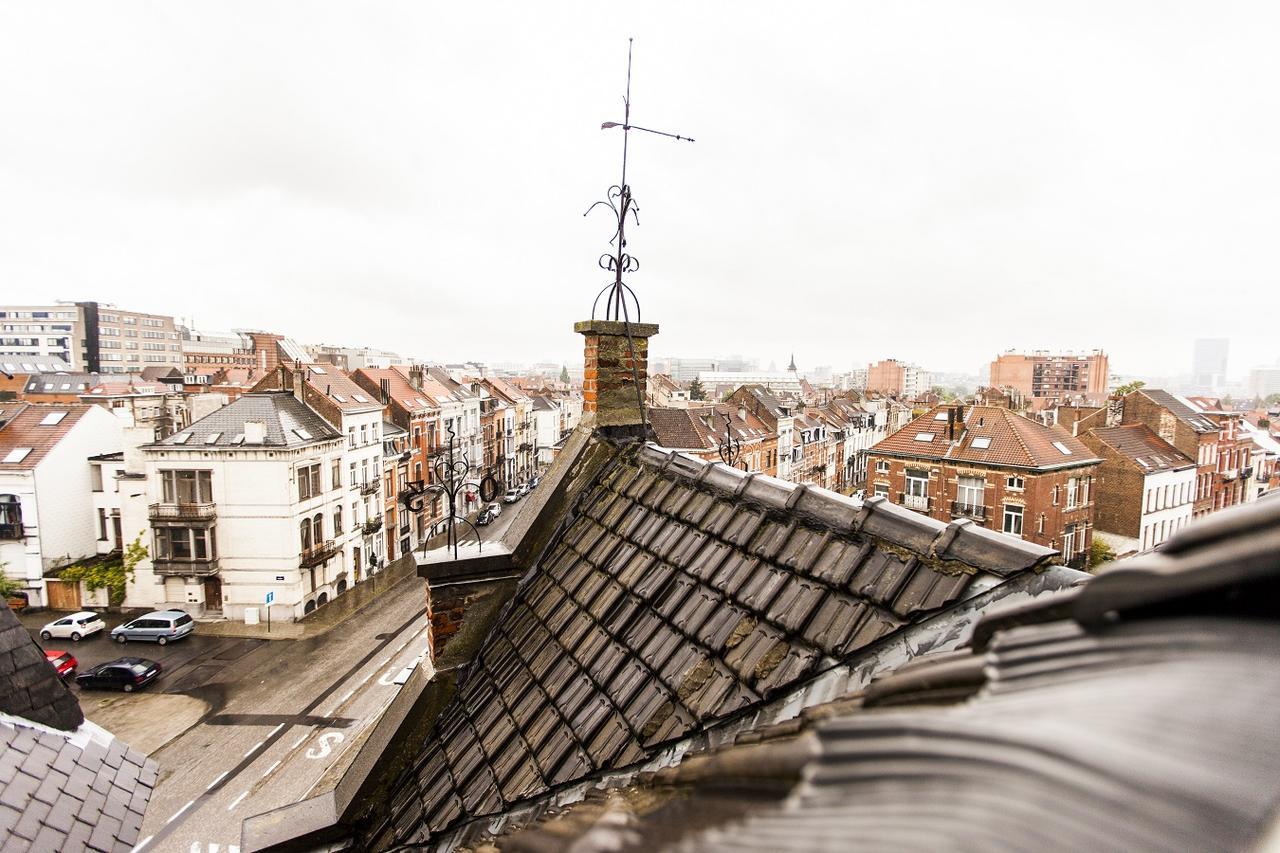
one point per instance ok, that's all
(792, 367)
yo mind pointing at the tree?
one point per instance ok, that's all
(1099, 553)
(696, 391)
(564, 374)
(8, 586)
(1129, 387)
(114, 573)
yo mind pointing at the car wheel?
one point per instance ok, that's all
(128, 688)
(75, 636)
(45, 635)
(162, 640)
(120, 638)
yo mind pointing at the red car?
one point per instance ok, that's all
(63, 662)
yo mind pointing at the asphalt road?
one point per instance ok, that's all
(286, 728)
(188, 665)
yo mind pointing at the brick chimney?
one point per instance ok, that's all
(609, 391)
(415, 377)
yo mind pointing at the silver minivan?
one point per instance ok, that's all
(162, 626)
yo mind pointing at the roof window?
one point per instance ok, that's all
(53, 419)
(340, 398)
(924, 436)
(941, 416)
(17, 454)
(982, 442)
(1062, 448)
(212, 438)
(360, 398)
(319, 371)
(302, 433)
(182, 438)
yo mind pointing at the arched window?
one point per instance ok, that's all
(305, 529)
(10, 517)
(317, 529)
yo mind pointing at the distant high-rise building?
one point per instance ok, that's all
(1049, 376)
(890, 376)
(90, 336)
(1264, 381)
(1209, 363)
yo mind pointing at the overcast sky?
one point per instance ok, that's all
(932, 181)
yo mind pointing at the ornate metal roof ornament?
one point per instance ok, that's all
(616, 293)
(730, 449)
(451, 470)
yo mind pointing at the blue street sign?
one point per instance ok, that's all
(271, 596)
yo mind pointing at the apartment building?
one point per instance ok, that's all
(48, 516)
(1044, 375)
(996, 468)
(703, 431)
(210, 350)
(1214, 438)
(42, 333)
(890, 376)
(249, 500)
(1145, 487)
(779, 418)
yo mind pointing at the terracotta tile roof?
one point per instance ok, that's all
(1149, 452)
(403, 395)
(987, 435)
(340, 389)
(26, 430)
(687, 429)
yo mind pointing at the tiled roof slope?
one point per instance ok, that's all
(282, 413)
(1151, 729)
(29, 687)
(675, 594)
(26, 430)
(1181, 409)
(1147, 450)
(1014, 440)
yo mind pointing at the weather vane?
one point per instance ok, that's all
(621, 202)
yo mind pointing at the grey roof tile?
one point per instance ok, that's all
(287, 421)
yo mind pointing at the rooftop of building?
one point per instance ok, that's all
(1148, 451)
(990, 435)
(1182, 409)
(287, 422)
(28, 431)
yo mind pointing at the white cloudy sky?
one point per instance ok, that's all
(935, 181)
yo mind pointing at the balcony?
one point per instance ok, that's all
(1246, 473)
(1229, 475)
(369, 487)
(371, 526)
(977, 512)
(920, 503)
(182, 512)
(11, 531)
(185, 568)
(317, 554)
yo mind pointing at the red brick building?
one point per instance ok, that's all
(1053, 377)
(700, 432)
(997, 468)
(1222, 450)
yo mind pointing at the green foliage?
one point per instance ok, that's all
(1130, 387)
(1273, 400)
(8, 586)
(564, 374)
(1264, 423)
(696, 391)
(114, 573)
(1100, 552)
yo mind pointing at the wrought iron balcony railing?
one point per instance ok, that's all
(916, 502)
(371, 526)
(182, 512)
(185, 568)
(977, 512)
(317, 554)
(369, 487)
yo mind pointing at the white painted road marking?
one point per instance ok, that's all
(175, 815)
(267, 772)
(297, 743)
(253, 749)
(143, 843)
(273, 731)
(237, 800)
(221, 776)
(323, 749)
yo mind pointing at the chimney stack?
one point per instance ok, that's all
(415, 377)
(611, 370)
(384, 386)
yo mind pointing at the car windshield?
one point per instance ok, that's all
(139, 668)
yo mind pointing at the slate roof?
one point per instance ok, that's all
(284, 416)
(25, 429)
(65, 383)
(1181, 409)
(65, 784)
(1132, 714)
(1149, 452)
(676, 594)
(1011, 439)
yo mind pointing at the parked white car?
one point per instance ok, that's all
(75, 627)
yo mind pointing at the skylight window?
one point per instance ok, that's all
(319, 371)
(1062, 448)
(924, 436)
(66, 386)
(340, 398)
(360, 398)
(238, 438)
(17, 454)
(212, 438)
(302, 433)
(982, 442)
(48, 386)
(53, 419)
(422, 402)
(182, 438)
(941, 416)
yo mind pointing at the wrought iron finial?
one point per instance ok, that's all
(619, 299)
(730, 449)
(451, 470)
